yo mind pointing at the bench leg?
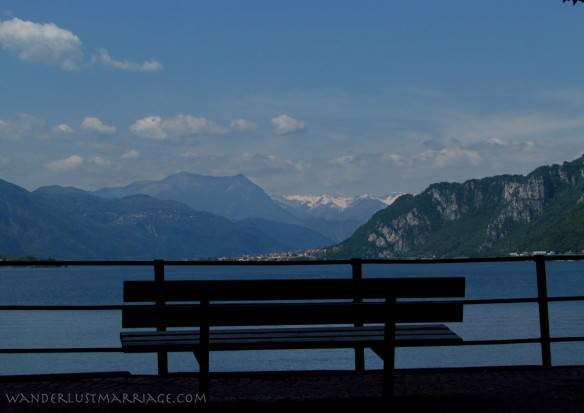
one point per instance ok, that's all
(389, 348)
(360, 359)
(388, 371)
(203, 360)
(162, 363)
(387, 354)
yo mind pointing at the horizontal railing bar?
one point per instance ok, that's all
(61, 350)
(43, 263)
(61, 307)
(499, 301)
(119, 349)
(170, 263)
(500, 341)
(517, 341)
(122, 307)
(565, 339)
(572, 298)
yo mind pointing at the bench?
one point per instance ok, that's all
(291, 314)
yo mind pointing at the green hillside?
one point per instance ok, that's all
(488, 217)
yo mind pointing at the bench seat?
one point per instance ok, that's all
(287, 338)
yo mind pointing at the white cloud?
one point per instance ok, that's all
(156, 127)
(6, 131)
(267, 164)
(504, 128)
(63, 165)
(393, 158)
(449, 157)
(99, 161)
(63, 129)
(242, 125)
(284, 125)
(42, 43)
(149, 128)
(341, 160)
(128, 65)
(131, 154)
(497, 141)
(24, 126)
(96, 125)
(190, 154)
(49, 44)
(185, 125)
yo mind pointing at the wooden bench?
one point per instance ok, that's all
(291, 314)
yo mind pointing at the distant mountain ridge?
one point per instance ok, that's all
(69, 223)
(234, 197)
(238, 198)
(541, 211)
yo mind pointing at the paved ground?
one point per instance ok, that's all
(560, 389)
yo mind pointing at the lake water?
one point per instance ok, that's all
(99, 285)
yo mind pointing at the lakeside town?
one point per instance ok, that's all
(309, 254)
(318, 253)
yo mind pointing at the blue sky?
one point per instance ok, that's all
(303, 97)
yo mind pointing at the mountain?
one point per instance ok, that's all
(234, 197)
(543, 210)
(238, 198)
(335, 217)
(68, 223)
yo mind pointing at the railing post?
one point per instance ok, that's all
(357, 271)
(389, 348)
(544, 320)
(162, 355)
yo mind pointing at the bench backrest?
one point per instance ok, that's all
(290, 302)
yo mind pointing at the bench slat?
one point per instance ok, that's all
(421, 287)
(401, 329)
(178, 334)
(178, 315)
(287, 338)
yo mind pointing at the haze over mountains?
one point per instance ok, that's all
(188, 216)
(238, 198)
(184, 216)
(234, 197)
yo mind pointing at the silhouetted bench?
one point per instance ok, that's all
(291, 314)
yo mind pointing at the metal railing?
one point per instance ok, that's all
(542, 299)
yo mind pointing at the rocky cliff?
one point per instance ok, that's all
(491, 216)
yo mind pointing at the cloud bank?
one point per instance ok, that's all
(64, 165)
(41, 43)
(49, 44)
(242, 125)
(158, 128)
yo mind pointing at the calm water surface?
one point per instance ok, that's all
(103, 286)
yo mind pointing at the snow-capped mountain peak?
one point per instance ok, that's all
(339, 203)
(314, 201)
